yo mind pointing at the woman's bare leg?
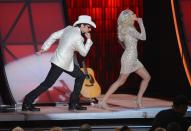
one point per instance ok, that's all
(119, 82)
(143, 73)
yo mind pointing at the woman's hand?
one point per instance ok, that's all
(139, 20)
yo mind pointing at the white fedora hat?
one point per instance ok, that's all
(86, 20)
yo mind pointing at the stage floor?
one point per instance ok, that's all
(123, 106)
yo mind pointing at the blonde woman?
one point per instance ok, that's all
(128, 37)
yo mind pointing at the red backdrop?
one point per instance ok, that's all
(106, 52)
(16, 20)
(186, 9)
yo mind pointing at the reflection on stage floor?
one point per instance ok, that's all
(123, 106)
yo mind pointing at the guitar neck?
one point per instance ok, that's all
(84, 67)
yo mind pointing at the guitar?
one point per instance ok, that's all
(90, 88)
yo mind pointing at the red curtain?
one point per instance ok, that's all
(185, 9)
(104, 57)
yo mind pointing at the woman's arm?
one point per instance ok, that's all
(133, 32)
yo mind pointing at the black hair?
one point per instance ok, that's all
(79, 25)
(180, 100)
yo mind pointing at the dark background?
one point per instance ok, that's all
(162, 54)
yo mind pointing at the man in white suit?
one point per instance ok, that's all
(70, 41)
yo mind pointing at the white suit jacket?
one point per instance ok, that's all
(70, 40)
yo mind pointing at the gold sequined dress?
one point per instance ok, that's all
(129, 60)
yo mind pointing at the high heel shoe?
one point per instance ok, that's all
(138, 103)
(103, 105)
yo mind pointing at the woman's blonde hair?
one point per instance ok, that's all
(124, 20)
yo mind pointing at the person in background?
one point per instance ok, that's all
(189, 128)
(17, 129)
(173, 126)
(174, 114)
(123, 128)
(85, 127)
(160, 129)
(56, 129)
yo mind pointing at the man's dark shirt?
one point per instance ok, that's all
(163, 118)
